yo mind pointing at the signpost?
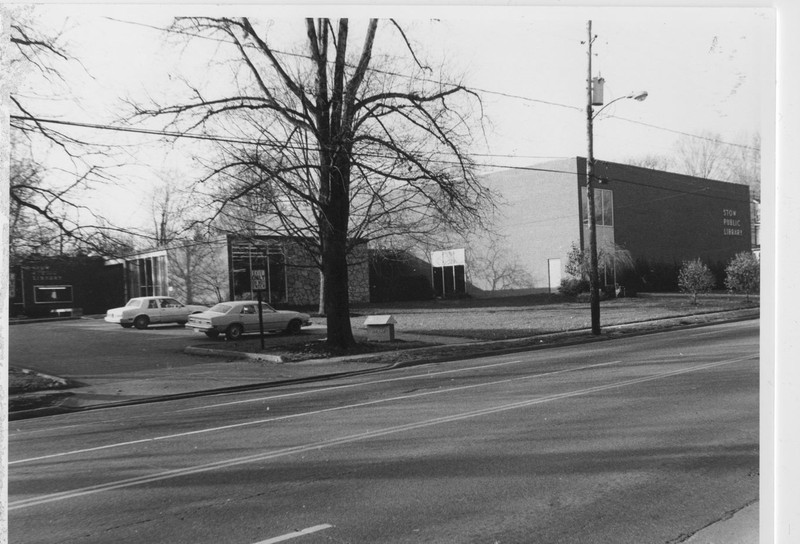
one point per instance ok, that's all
(258, 283)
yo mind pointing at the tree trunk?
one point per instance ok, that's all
(333, 238)
(321, 310)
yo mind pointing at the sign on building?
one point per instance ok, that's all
(449, 257)
(448, 268)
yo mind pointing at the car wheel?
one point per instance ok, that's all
(294, 326)
(141, 322)
(234, 332)
(126, 325)
(212, 334)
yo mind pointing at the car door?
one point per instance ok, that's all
(172, 310)
(272, 319)
(248, 316)
(154, 311)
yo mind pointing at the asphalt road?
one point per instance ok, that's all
(639, 440)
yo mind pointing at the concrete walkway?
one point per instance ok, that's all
(741, 528)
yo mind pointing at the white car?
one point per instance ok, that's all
(241, 316)
(140, 312)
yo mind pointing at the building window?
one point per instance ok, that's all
(147, 276)
(603, 206)
(265, 256)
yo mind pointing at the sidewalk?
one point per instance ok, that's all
(252, 371)
(741, 528)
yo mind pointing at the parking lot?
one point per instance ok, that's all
(91, 347)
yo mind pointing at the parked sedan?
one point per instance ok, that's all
(241, 316)
(140, 312)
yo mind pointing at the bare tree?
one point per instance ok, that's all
(170, 208)
(744, 165)
(497, 266)
(705, 156)
(44, 199)
(653, 162)
(328, 149)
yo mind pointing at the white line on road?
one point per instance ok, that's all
(367, 435)
(303, 414)
(295, 534)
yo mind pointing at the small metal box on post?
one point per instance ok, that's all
(380, 328)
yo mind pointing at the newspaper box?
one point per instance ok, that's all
(380, 328)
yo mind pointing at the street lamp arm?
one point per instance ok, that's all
(636, 96)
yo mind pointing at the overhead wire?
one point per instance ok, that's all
(469, 88)
(208, 137)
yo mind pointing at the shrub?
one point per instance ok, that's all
(572, 287)
(743, 274)
(694, 278)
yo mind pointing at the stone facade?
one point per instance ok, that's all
(303, 277)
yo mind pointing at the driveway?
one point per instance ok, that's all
(91, 347)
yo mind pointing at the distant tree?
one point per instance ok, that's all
(710, 156)
(743, 274)
(744, 165)
(653, 162)
(703, 156)
(497, 266)
(170, 207)
(694, 278)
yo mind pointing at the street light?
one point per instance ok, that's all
(595, 99)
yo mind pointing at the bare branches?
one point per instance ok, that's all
(45, 202)
(341, 152)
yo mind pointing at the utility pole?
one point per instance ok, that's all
(594, 280)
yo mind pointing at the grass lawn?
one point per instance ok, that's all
(518, 317)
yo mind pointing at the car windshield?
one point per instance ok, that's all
(134, 302)
(221, 308)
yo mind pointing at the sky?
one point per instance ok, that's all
(706, 71)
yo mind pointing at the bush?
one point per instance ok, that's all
(572, 287)
(743, 274)
(694, 278)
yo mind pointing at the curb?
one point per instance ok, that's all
(461, 351)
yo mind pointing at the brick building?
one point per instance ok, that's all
(661, 218)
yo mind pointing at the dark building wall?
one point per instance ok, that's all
(662, 218)
(75, 282)
(398, 275)
(666, 217)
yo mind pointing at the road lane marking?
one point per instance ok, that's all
(349, 439)
(271, 397)
(295, 534)
(302, 414)
(351, 385)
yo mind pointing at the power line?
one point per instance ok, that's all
(442, 83)
(209, 137)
